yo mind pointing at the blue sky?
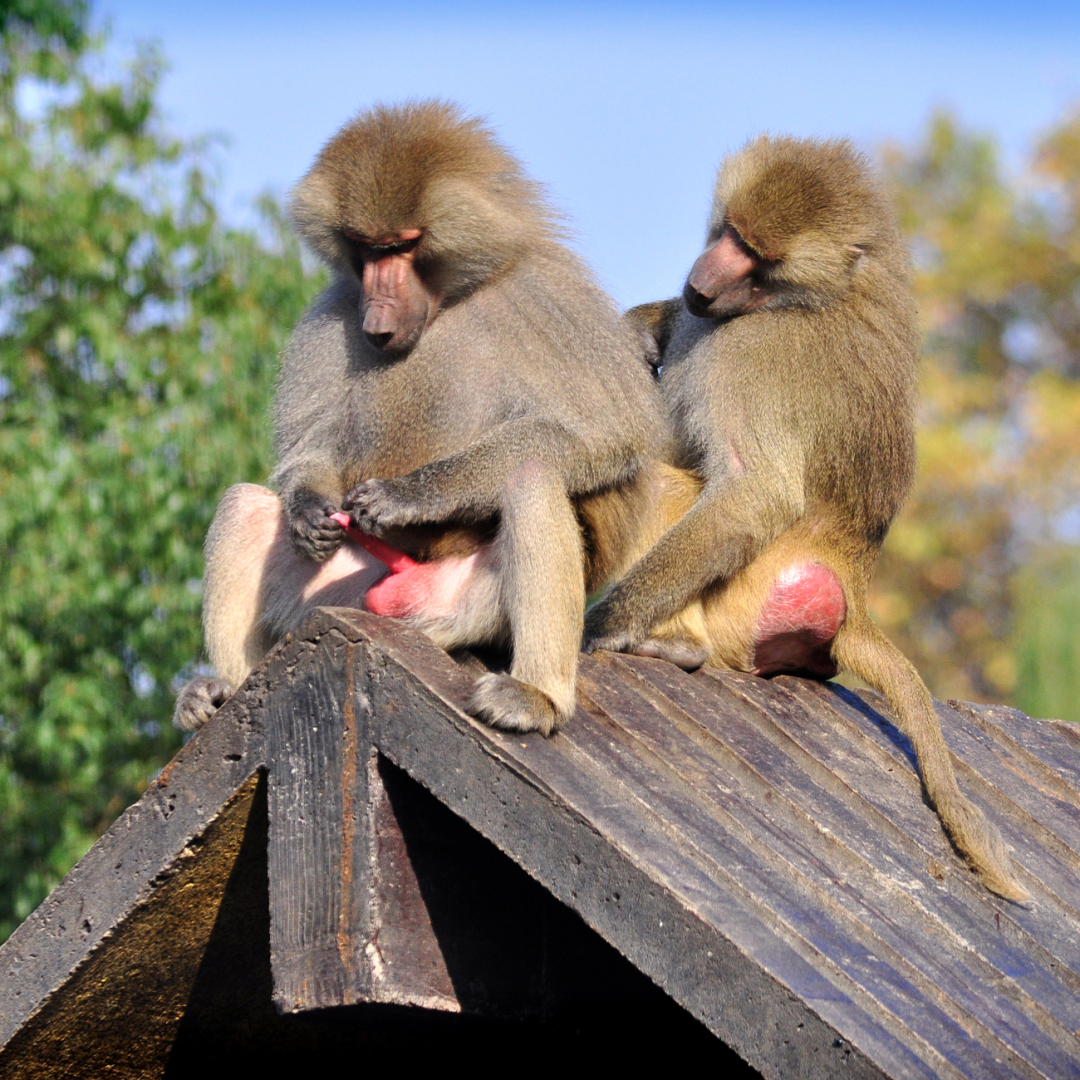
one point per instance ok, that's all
(623, 110)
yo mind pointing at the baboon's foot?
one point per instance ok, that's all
(198, 700)
(682, 652)
(507, 703)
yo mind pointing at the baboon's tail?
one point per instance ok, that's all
(863, 650)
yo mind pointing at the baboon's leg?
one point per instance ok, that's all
(256, 588)
(244, 531)
(543, 596)
(864, 651)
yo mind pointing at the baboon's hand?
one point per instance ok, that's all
(650, 351)
(608, 625)
(314, 533)
(378, 506)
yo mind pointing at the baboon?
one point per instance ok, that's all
(470, 398)
(789, 368)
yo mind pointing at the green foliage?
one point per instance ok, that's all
(40, 36)
(138, 345)
(1047, 634)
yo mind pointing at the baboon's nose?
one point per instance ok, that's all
(696, 303)
(380, 341)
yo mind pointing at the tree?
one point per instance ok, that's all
(138, 345)
(980, 578)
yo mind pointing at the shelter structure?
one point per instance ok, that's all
(343, 865)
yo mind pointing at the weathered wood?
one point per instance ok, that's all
(408, 965)
(895, 855)
(318, 829)
(1054, 743)
(1040, 789)
(761, 851)
(770, 839)
(128, 867)
(183, 987)
(870, 925)
(453, 915)
(565, 828)
(142, 977)
(381, 895)
(1048, 866)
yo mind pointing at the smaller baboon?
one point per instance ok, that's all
(465, 393)
(789, 368)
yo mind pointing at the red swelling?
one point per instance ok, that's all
(408, 585)
(804, 612)
(404, 593)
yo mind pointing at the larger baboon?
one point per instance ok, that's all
(463, 386)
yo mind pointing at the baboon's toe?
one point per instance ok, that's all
(682, 653)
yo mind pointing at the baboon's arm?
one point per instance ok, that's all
(469, 486)
(729, 526)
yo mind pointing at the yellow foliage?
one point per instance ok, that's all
(997, 279)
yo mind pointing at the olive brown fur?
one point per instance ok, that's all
(789, 369)
(465, 390)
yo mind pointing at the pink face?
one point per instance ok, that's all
(397, 306)
(725, 280)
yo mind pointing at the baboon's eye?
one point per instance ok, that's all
(368, 249)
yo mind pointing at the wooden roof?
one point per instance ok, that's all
(760, 850)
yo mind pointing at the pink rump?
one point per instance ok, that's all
(804, 612)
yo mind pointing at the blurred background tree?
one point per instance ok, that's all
(138, 345)
(980, 579)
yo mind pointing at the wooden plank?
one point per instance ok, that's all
(896, 858)
(1047, 865)
(730, 712)
(120, 1012)
(318, 827)
(125, 868)
(1004, 769)
(592, 857)
(808, 883)
(865, 750)
(1055, 743)
(1058, 808)
(715, 859)
(425, 911)
(760, 850)
(408, 965)
(183, 984)
(973, 918)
